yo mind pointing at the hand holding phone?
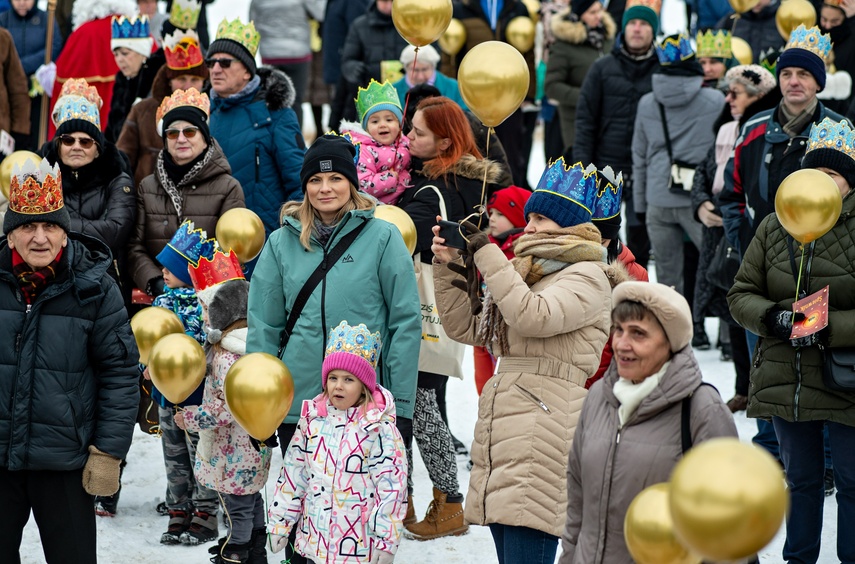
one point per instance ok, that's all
(453, 234)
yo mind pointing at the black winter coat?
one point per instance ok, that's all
(605, 112)
(758, 30)
(127, 90)
(372, 38)
(68, 367)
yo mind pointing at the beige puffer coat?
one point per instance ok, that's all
(528, 410)
(608, 468)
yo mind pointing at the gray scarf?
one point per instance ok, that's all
(796, 123)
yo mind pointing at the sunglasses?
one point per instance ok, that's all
(70, 140)
(224, 63)
(734, 93)
(189, 133)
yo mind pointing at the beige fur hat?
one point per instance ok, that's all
(667, 306)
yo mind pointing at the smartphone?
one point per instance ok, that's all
(451, 232)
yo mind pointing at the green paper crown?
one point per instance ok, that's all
(374, 95)
(237, 31)
(185, 13)
(714, 45)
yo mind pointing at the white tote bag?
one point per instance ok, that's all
(438, 354)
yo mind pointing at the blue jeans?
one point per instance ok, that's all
(521, 544)
(765, 436)
(803, 455)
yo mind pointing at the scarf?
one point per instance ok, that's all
(539, 255)
(33, 282)
(166, 167)
(630, 394)
(323, 231)
(596, 36)
(795, 124)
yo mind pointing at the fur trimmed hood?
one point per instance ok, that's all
(276, 88)
(470, 167)
(575, 32)
(616, 272)
(88, 10)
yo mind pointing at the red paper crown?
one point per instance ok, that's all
(214, 271)
(182, 50)
(36, 189)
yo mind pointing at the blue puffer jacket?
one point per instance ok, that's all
(261, 138)
(29, 35)
(68, 364)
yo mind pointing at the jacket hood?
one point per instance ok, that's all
(470, 167)
(675, 91)
(276, 88)
(352, 127)
(110, 163)
(680, 380)
(160, 88)
(576, 32)
(616, 272)
(383, 408)
(375, 18)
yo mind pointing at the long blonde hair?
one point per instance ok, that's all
(306, 214)
(366, 398)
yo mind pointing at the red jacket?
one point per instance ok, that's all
(507, 245)
(638, 272)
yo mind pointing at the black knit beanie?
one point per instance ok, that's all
(77, 125)
(191, 115)
(235, 49)
(330, 153)
(609, 228)
(803, 59)
(833, 159)
(579, 7)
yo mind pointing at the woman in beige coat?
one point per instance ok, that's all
(630, 436)
(546, 318)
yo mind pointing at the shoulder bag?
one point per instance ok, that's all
(682, 173)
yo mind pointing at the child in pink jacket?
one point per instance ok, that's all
(344, 480)
(384, 153)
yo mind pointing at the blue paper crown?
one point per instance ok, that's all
(185, 248)
(356, 340)
(830, 134)
(608, 194)
(810, 39)
(576, 183)
(135, 27)
(76, 107)
(674, 48)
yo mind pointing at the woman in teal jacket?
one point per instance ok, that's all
(373, 282)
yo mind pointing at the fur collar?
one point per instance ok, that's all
(470, 167)
(87, 10)
(235, 341)
(277, 90)
(575, 32)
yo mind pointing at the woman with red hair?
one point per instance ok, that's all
(446, 163)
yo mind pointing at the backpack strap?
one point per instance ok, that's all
(686, 419)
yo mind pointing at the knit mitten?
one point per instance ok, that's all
(780, 321)
(101, 473)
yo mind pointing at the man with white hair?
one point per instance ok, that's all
(422, 70)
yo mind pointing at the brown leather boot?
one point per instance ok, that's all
(410, 519)
(442, 519)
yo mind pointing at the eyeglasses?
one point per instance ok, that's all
(70, 140)
(224, 63)
(189, 133)
(734, 93)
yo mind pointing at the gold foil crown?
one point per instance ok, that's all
(190, 97)
(812, 40)
(717, 45)
(185, 13)
(237, 31)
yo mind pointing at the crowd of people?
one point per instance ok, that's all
(661, 150)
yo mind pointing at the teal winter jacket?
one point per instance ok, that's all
(373, 283)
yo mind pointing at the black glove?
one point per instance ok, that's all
(472, 284)
(477, 238)
(780, 321)
(155, 286)
(270, 442)
(353, 71)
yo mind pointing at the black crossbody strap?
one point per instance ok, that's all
(665, 130)
(314, 279)
(686, 420)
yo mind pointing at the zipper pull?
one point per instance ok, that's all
(617, 442)
(18, 342)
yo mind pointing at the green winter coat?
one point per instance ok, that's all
(373, 283)
(786, 382)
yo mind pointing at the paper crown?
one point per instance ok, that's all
(192, 243)
(714, 44)
(134, 27)
(830, 134)
(576, 183)
(375, 95)
(674, 48)
(609, 192)
(189, 98)
(209, 273)
(185, 13)
(812, 40)
(245, 34)
(655, 5)
(77, 100)
(768, 59)
(35, 189)
(356, 340)
(182, 50)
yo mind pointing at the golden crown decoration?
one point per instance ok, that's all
(182, 50)
(812, 40)
(237, 31)
(356, 339)
(717, 45)
(79, 87)
(185, 13)
(835, 3)
(190, 97)
(36, 189)
(77, 100)
(655, 5)
(830, 134)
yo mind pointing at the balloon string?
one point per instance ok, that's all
(412, 79)
(734, 17)
(229, 521)
(490, 132)
(799, 279)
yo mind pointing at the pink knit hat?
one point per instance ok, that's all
(355, 350)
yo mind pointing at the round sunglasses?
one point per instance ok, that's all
(70, 140)
(189, 133)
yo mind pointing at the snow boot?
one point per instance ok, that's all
(203, 528)
(258, 546)
(410, 518)
(442, 519)
(179, 521)
(232, 554)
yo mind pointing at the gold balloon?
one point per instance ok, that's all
(728, 499)
(151, 324)
(259, 391)
(7, 167)
(534, 9)
(741, 50)
(742, 6)
(808, 204)
(520, 33)
(421, 22)
(400, 219)
(649, 531)
(454, 38)
(791, 14)
(241, 230)
(493, 79)
(177, 366)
